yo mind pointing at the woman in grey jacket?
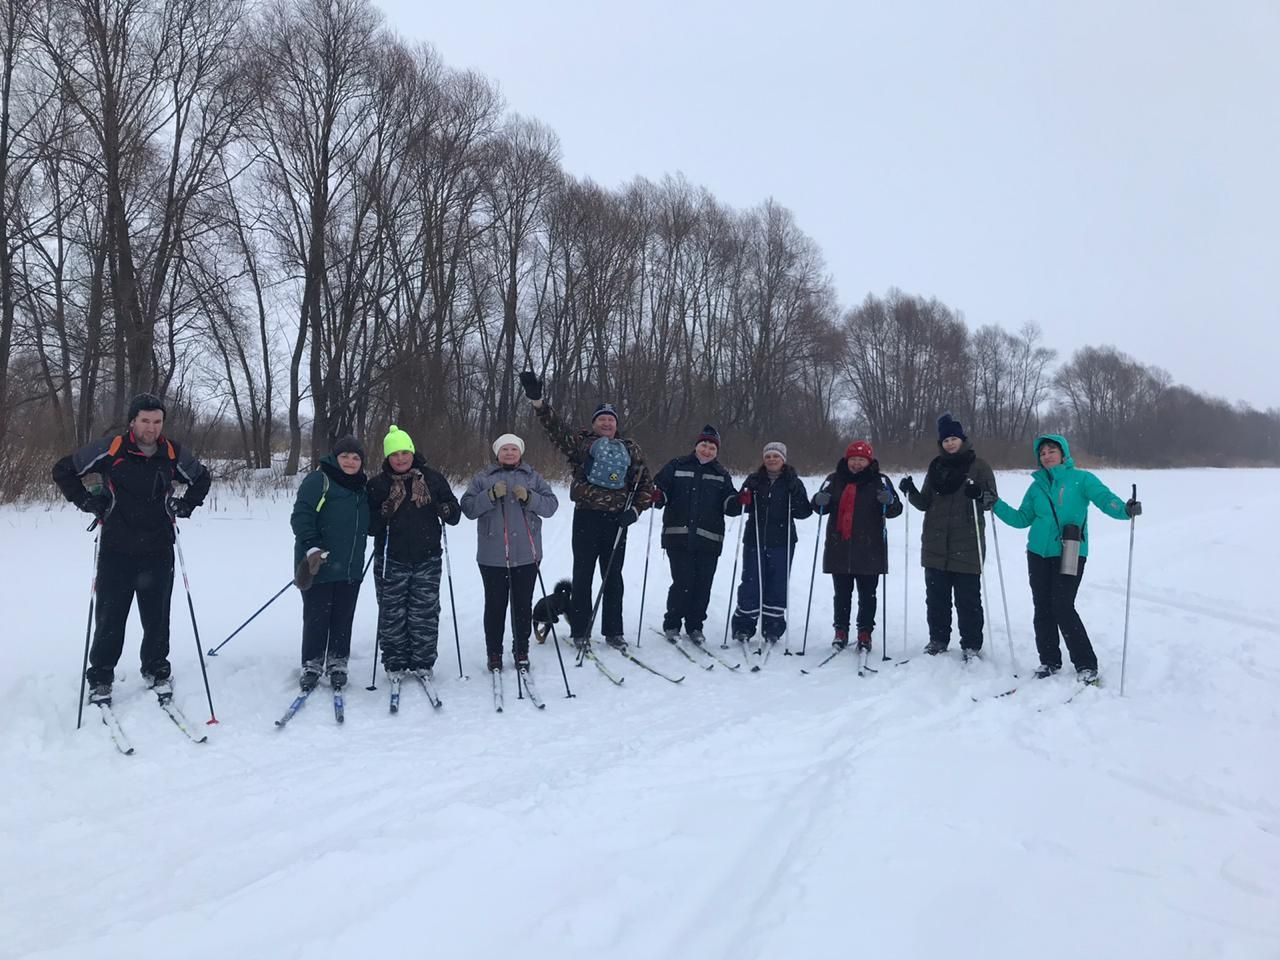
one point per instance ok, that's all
(508, 500)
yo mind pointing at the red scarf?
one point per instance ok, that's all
(844, 518)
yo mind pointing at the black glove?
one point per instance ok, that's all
(821, 499)
(1133, 508)
(448, 512)
(628, 517)
(96, 503)
(180, 507)
(884, 497)
(973, 490)
(908, 485)
(988, 500)
(531, 384)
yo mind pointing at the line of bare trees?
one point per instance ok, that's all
(293, 225)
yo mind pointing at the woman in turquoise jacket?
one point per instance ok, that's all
(330, 522)
(1059, 496)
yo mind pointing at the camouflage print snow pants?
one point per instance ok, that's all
(408, 612)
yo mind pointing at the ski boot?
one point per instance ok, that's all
(1088, 676)
(697, 638)
(495, 662)
(864, 640)
(1045, 670)
(100, 693)
(617, 641)
(162, 687)
(672, 635)
(581, 644)
(935, 647)
(840, 640)
(970, 654)
(310, 676)
(522, 663)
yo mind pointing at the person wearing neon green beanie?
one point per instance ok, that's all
(410, 503)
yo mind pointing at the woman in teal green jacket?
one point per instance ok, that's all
(330, 523)
(1059, 496)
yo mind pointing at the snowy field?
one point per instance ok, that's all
(771, 815)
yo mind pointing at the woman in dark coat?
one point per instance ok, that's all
(856, 553)
(951, 546)
(330, 522)
(773, 498)
(410, 504)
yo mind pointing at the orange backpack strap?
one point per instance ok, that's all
(116, 444)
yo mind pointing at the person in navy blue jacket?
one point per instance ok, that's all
(773, 498)
(136, 510)
(695, 493)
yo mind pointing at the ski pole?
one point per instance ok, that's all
(608, 567)
(511, 593)
(457, 640)
(906, 576)
(1128, 585)
(379, 577)
(214, 652)
(884, 579)
(982, 565)
(93, 596)
(195, 629)
(728, 613)
(786, 589)
(537, 566)
(644, 583)
(759, 567)
(813, 572)
(1004, 599)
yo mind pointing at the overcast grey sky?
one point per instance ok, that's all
(1108, 170)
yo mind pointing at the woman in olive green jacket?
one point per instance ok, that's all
(1059, 496)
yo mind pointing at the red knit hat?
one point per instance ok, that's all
(859, 448)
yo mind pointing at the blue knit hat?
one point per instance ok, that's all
(949, 426)
(606, 408)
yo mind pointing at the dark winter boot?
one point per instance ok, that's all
(495, 662)
(697, 638)
(840, 640)
(864, 640)
(100, 693)
(934, 647)
(672, 635)
(617, 641)
(1045, 670)
(162, 688)
(1088, 675)
(970, 654)
(522, 663)
(581, 644)
(338, 673)
(310, 676)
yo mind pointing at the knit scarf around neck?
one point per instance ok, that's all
(418, 493)
(947, 471)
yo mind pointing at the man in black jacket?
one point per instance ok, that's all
(696, 494)
(136, 511)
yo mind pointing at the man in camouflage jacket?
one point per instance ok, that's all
(601, 513)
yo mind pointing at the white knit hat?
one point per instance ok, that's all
(778, 447)
(506, 438)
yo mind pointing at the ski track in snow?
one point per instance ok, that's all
(736, 815)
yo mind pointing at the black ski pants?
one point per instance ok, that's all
(593, 537)
(121, 577)
(842, 602)
(328, 610)
(517, 585)
(691, 576)
(1053, 596)
(940, 586)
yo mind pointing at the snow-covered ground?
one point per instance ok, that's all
(736, 815)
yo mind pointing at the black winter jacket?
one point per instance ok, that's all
(698, 498)
(948, 541)
(415, 531)
(866, 551)
(139, 485)
(769, 504)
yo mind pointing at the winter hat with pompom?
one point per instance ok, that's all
(397, 441)
(949, 426)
